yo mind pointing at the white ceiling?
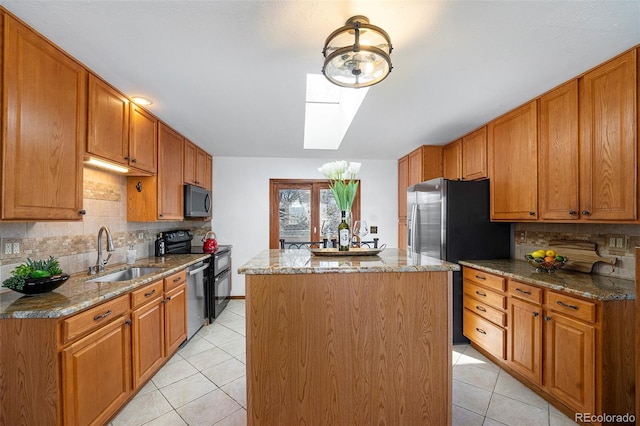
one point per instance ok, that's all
(230, 75)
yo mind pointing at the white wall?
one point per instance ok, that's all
(241, 201)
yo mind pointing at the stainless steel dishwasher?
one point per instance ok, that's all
(196, 316)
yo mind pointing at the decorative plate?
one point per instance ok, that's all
(354, 251)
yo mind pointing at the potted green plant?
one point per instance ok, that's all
(36, 276)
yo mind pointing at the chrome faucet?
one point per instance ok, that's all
(100, 263)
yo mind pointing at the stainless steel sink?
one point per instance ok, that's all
(126, 275)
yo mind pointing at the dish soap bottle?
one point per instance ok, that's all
(160, 245)
(343, 233)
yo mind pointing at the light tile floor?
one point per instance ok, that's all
(204, 385)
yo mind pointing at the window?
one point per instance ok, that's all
(298, 209)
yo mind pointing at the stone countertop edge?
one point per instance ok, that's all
(77, 294)
(300, 261)
(590, 286)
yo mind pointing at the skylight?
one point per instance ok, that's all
(329, 110)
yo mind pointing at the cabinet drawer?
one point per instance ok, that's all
(175, 280)
(485, 334)
(485, 295)
(146, 294)
(571, 306)
(485, 311)
(483, 278)
(525, 291)
(95, 317)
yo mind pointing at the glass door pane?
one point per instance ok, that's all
(329, 215)
(294, 213)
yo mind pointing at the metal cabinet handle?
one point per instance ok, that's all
(128, 322)
(535, 314)
(167, 299)
(481, 278)
(572, 212)
(134, 161)
(175, 280)
(566, 305)
(480, 308)
(151, 293)
(547, 319)
(528, 293)
(479, 293)
(532, 213)
(126, 158)
(481, 331)
(586, 212)
(99, 317)
(83, 212)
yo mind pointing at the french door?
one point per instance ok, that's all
(298, 209)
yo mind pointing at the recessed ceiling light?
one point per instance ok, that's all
(141, 101)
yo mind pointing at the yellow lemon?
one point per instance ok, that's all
(550, 253)
(538, 253)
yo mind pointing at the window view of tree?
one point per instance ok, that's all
(304, 211)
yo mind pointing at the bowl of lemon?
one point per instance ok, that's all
(545, 260)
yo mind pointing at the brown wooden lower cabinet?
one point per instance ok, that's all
(81, 369)
(575, 352)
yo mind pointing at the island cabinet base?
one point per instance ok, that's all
(349, 348)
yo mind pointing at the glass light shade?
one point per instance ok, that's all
(357, 55)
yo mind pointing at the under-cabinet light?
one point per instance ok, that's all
(105, 165)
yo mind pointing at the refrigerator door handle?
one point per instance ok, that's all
(412, 228)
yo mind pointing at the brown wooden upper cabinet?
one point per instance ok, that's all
(452, 160)
(195, 164)
(512, 142)
(161, 196)
(143, 140)
(45, 130)
(424, 163)
(558, 180)
(608, 140)
(403, 183)
(120, 131)
(474, 155)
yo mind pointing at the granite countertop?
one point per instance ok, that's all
(77, 294)
(591, 286)
(302, 261)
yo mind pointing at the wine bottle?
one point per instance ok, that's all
(343, 233)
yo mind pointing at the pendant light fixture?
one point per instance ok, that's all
(357, 55)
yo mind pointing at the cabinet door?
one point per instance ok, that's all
(143, 140)
(558, 154)
(208, 172)
(190, 153)
(403, 183)
(569, 361)
(402, 234)
(474, 155)
(452, 160)
(96, 377)
(170, 178)
(415, 167)
(513, 153)
(147, 340)
(608, 140)
(525, 339)
(201, 158)
(108, 135)
(45, 128)
(175, 320)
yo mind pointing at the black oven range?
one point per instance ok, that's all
(217, 277)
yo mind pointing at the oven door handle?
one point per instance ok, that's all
(197, 270)
(222, 275)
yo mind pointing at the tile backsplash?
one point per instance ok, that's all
(75, 243)
(531, 236)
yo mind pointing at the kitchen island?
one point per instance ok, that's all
(355, 340)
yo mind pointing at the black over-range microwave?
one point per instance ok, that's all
(197, 201)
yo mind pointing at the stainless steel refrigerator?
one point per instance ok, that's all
(449, 220)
